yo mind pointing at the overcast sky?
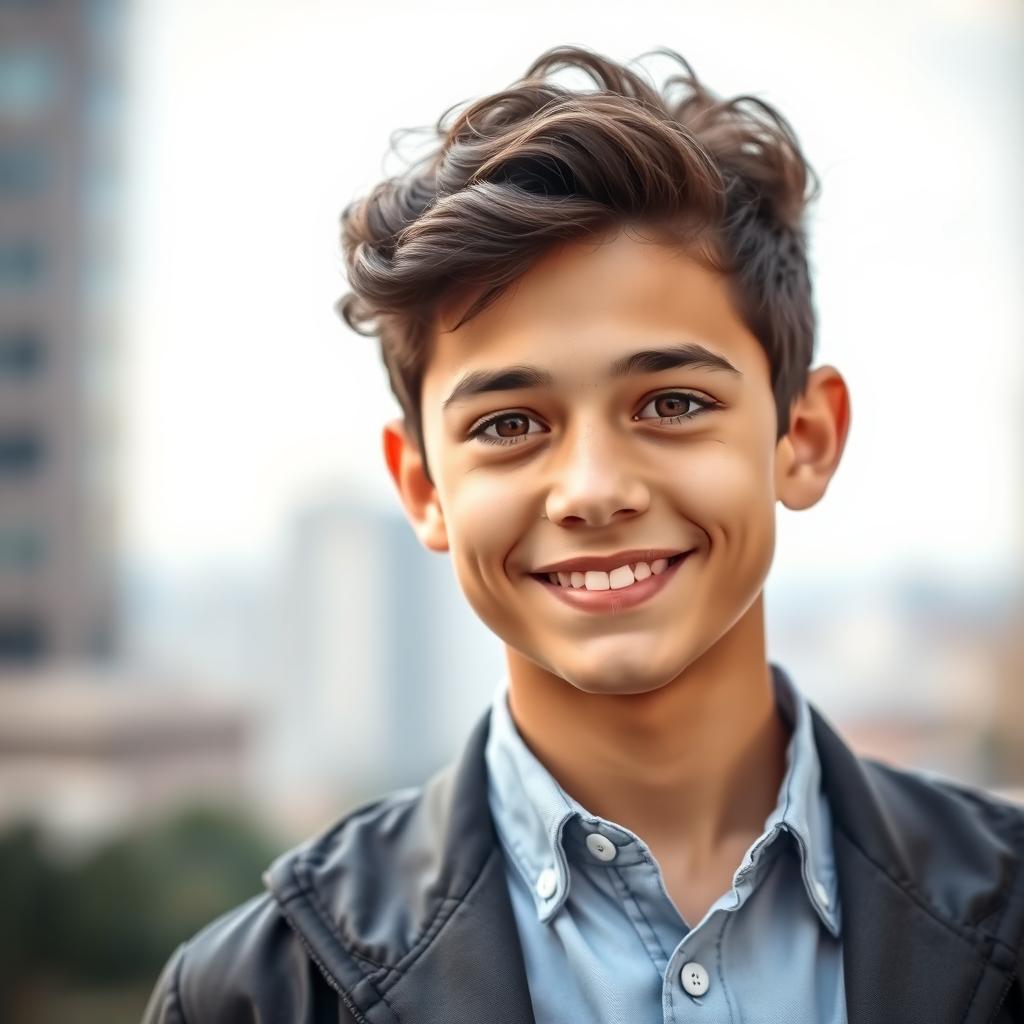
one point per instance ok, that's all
(252, 124)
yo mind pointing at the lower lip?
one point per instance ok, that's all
(614, 600)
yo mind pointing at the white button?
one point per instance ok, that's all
(822, 892)
(694, 978)
(547, 883)
(601, 847)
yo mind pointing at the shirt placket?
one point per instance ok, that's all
(693, 986)
(685, 959)
(693, 976)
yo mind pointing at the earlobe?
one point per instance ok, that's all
(808, 456)
(418, 495)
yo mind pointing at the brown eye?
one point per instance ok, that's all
(510, 427)
(518, 425)
(672, 406)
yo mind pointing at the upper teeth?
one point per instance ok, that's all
(623, 576)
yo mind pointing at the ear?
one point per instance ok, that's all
(807, 457)
(417, 493)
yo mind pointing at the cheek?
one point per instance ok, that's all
(724, 482)
(729, 490)
(483, 524)
(482, 504)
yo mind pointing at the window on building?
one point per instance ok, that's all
(24, 170)
(21, 352)
(22, 638)
(22, 263)
(28, 82)
(21, 548)
(21, 452)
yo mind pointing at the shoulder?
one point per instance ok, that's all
(953, 850)
(251, 964)
(959, 847)
(935, 801)
(966, 845)
(358, 893)
(245, 966)
(955, 843)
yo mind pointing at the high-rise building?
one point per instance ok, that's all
(385, 668)
(59, 153)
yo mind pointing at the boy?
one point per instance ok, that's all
(595, 312)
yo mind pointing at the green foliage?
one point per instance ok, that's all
(115, 917)
(28, 887)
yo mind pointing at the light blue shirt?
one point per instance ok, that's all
(603, 942)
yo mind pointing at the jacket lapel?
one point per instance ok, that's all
(903, 960)
(473, 971)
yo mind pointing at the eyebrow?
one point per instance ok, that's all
(651, 360)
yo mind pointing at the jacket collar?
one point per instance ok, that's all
(932, 892)
(404, 904)
(534, 816)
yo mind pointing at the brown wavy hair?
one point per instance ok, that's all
(537, 164)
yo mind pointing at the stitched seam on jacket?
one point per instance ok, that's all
(918, 900)
(328, 925)
(437, 922)
(996, 941)
(305, 891)
(998, 897)
(981, 974)
(1011, 885)
(300, 871)
(440, 919)
(366, 960)
(351, 946)
(974, 992)
(1005, 811)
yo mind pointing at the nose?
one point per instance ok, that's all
(595, 480)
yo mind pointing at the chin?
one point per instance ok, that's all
(618, 681)
(626, 664)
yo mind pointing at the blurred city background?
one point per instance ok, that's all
(218, 632)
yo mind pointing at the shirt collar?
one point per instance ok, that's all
(531, 811)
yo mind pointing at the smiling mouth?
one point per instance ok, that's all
(551, 579)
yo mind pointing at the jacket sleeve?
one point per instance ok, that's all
(164, 1005)
(246, 967)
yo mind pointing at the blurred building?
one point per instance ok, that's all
(59, 154)
(914, 670)
(384, 666)
(86, 753)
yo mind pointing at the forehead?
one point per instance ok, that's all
(585, 302)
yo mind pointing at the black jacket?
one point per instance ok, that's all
(400, 912)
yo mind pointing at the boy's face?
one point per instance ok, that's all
(594, 465)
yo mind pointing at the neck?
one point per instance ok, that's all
(694, 766)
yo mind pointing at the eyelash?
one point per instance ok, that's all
(705, 404)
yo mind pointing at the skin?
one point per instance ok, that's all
(659, 717)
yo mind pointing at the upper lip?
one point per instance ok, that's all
(605, 563)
